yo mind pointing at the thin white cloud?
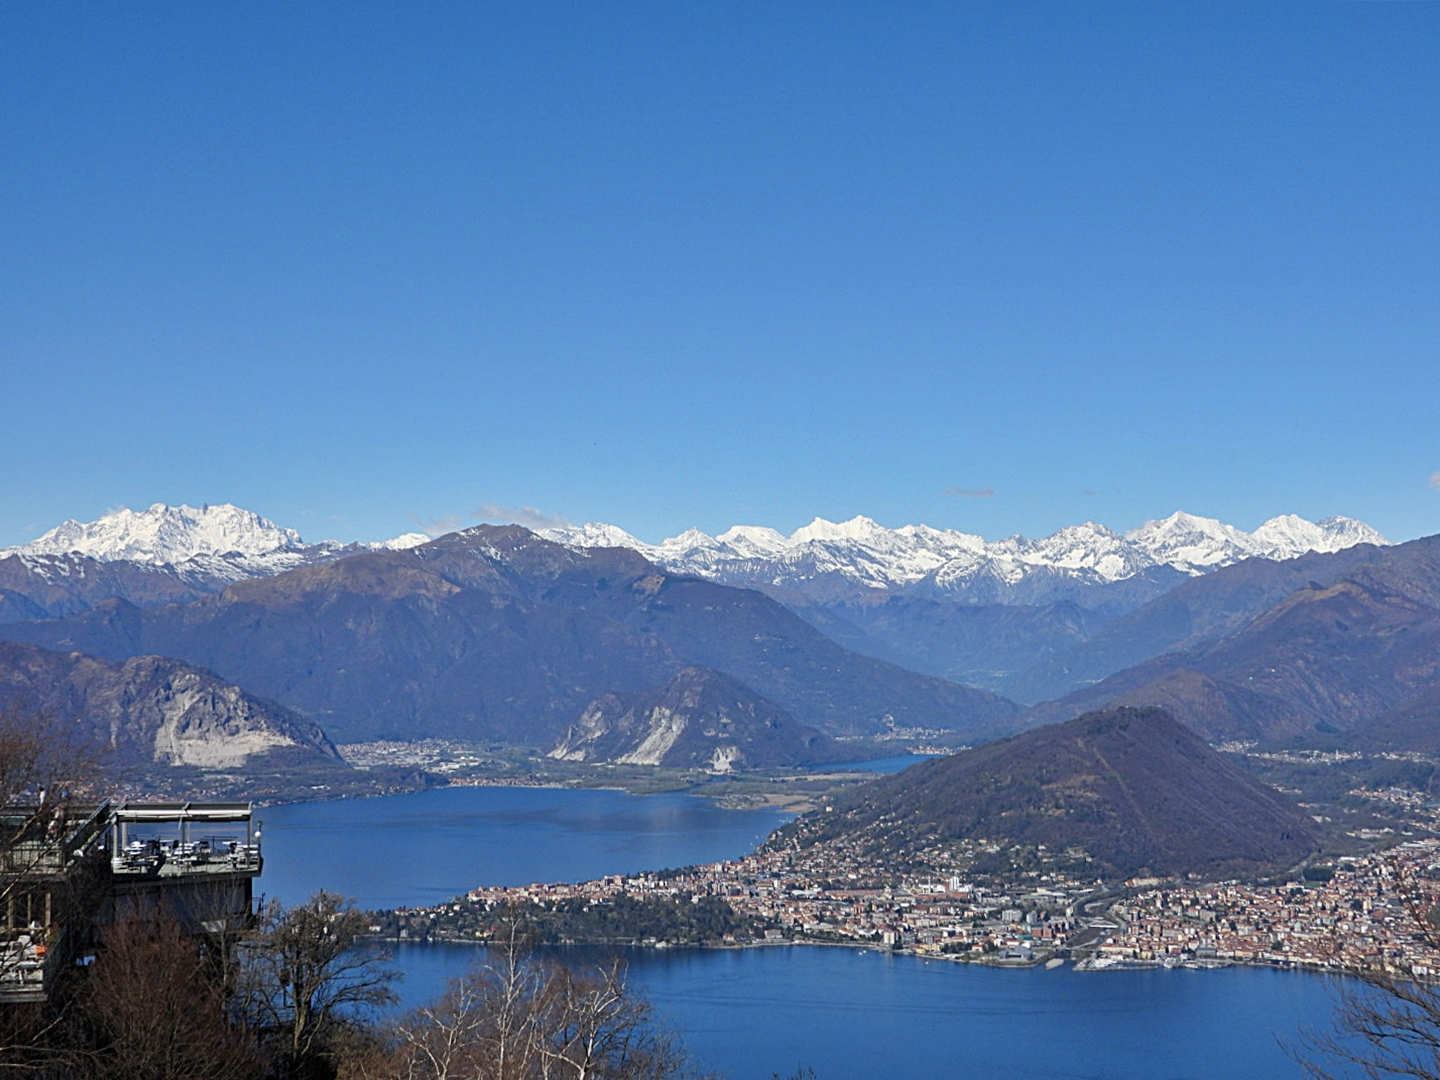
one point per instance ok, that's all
(438, 526)
(970, 493)
(1435, 481)
(528, 516)
(490, 513)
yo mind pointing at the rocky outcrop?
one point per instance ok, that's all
(153, 709)
(699, 719)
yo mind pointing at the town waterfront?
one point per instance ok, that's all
(845, 1012)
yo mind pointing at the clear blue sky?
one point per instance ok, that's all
(354, 265)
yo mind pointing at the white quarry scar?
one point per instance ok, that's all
(665, 728)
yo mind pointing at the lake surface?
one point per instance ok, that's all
(429, 846)
(857, 1015)
(848, 1014)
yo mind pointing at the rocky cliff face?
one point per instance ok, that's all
(149, 708)
(699, 719)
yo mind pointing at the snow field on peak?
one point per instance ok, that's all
(870, 555)
(400, 543)
(224, 542)
(166, 535)
(216, 539)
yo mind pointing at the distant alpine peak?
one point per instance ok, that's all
(592, 534)
(1185, 540)
(165, 535)
(864, 553)
(857, 528)
(824, 559)
(403, 542)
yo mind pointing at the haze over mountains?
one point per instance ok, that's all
(495, 633)
(1339, 644)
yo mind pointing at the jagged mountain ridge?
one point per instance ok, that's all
(224, 542)
(1016, 617)
(1031, 620)
(1137, 790)
(860, 559)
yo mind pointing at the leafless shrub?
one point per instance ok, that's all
(161, 1006)
(516, 1017)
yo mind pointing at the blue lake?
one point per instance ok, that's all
(854, 1015)
(422, 848)
(850, 1015)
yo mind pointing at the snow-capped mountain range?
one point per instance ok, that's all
(215, 542)
(825, 556)
(822, 561)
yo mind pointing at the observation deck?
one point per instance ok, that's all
(61, 882)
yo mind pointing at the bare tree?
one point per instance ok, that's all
(161, 1007)
(1387, 1013)
(306, 977)
(46, 774)
(598, 1030)
(484, 1024)
(516, 1017)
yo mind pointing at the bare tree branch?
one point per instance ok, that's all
(1387, 1014)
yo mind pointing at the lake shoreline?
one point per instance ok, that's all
(1087, 964)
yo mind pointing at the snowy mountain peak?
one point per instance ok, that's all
(754, 539)
(857, 528)
(1191, 543)
(1347, 532)
(593, 534)
(823, 561)
(401, 543)
(1291, 533)
(215, 542)
(166, 535)
(691, 538)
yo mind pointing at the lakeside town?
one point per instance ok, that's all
(1359, 910)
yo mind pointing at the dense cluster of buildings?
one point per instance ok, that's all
(825, 893)
(1371, 909)
(1374, 911)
